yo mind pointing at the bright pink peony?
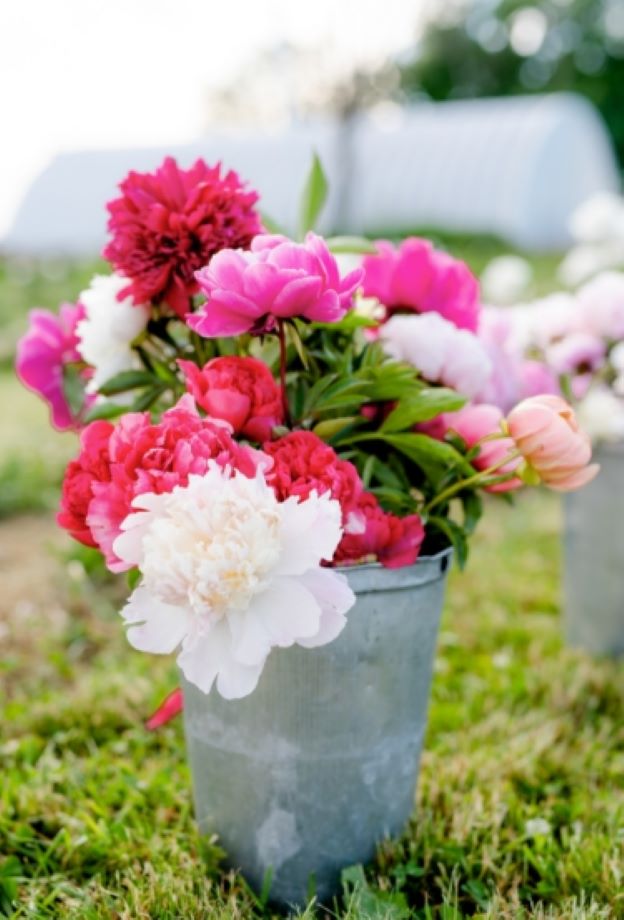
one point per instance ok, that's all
(240, 391)
(418, 278)
(303, 463)
(278, 279)
(144, 457)
(389, 539)
(169, 223)
(472, 424)
(92, 465)
(44, 351)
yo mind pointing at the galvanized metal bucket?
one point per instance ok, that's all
(310, 772)
(594, 558)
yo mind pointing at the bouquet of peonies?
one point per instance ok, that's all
(253, 417)
(579, 338)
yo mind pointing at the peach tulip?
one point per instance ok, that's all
(547, 434)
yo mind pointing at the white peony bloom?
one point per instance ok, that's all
(230, 573)
(599, 219)
(505, 279)
(108, 329)
(601, 414)
(439, 350)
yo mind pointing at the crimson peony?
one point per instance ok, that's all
(167, 224)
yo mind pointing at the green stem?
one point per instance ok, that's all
(281, 332)
(475, 480)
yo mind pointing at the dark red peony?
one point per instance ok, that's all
(138, 457)
(167, 224)
(392, 540)
(240, 391)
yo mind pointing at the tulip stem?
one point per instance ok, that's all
(472, 481)
(281, 332)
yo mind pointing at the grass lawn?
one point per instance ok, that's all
(520, 805)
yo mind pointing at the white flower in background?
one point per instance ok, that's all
(537, 827)
(230, 573)
(540, 323)
(599, 219)
(616, 357)
(369, 308)
(439, 350)
(601, 302)
(601, 414)
(505, 279)
(584, 261)
(108, 329)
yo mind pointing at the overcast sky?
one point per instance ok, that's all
(109, 73)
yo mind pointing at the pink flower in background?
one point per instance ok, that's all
(144, 457)
(278, 279)
(240, 391)
(536, 379)
(92, 465)
(169, 223)
(440, 351)
(473, 423)
(43, 353)
(601, 302)
(578, 353)
(415, 277)
(391, 540)
(512, 377)
(302, 463)
(546, 432)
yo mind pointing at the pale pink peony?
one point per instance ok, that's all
(42, 354)
(277, 280)
(473, 423)
(418, 278)
(601, 302)
(440, 351)
(547, 434)
(579, 353)
(239, 390)
(229, 573)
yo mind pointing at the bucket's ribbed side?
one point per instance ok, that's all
(594, 558)
(306, 775)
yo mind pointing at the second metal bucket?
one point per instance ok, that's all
(594, 558)
(310, 772)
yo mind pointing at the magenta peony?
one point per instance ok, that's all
(278, 279)
(391, 540)
(169, 223)
(417, 278)
(42, 354)
(240, 391)
(141, 457)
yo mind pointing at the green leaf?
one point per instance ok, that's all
(473, 509)
(126, 380)
(331, 428)
(105, 410)
(351, 244)
(427, 453)
(313, 197)
(421, 407)
(148, 397)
